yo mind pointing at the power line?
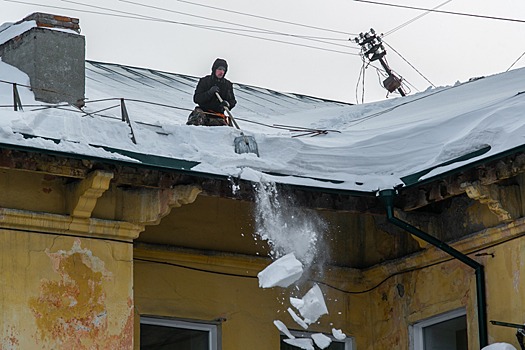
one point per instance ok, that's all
(222, 21)
(441, 11)
(225, 30)
(73, 9)
(251, 29)
(410, 64)
(267, 18)
(414, 19)
(289, 43)
(512, 65)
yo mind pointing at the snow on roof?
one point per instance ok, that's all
(364, 147)
(12, 30)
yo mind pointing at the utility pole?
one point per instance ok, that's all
(372, 48)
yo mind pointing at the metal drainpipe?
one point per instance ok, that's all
(388, 198)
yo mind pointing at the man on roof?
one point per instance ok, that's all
(210, 111)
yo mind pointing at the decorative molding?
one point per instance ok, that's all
(447, 186)
(88, 191)
(488, 195)
(63, 224)
(149, 206)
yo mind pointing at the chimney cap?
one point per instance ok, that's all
(48, 20)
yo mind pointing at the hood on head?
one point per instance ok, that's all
(218, 63)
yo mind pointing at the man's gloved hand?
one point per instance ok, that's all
(225, 103)
(213, 90)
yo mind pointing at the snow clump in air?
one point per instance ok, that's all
(281, 273)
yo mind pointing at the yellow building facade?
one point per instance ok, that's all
(86, 256)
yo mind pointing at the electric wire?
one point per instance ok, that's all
(290, 43)
(250, 29)
(512, 65)
(377, 114)
(377, 285)
(414, 19)
(410, 64)
(146, 18)
(268, 18)
(193, 268)
(441, 11)
(360, 78)
(222, 21)
(73, 9)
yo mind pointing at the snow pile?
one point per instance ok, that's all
(281, 273)
(499, 346)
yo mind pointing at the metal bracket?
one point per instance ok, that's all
(520, 333)
(17, 103)
(125, 118)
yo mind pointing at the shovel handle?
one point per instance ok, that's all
(227, 110)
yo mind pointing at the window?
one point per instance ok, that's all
(164, 334)
(443, 332)
(346, 344)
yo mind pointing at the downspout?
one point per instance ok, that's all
(387, 196)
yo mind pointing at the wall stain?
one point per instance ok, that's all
(71, 312)
(10, 340)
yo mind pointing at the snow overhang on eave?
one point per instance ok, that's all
(485, 171)
(152, 171)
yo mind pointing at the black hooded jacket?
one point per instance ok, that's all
(210, 102)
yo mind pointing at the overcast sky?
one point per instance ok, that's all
(444, 48)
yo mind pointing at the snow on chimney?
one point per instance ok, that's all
(52, 53)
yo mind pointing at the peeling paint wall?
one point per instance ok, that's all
(411, 297)
(64, 293)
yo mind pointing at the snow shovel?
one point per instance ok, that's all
(243, 143)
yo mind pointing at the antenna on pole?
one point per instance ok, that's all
(372, 48)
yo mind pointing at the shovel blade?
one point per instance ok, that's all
(246, 144)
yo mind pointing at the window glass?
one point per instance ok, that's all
(162, 334)
(446, 335)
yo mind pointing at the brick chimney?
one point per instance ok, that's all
(53, 59)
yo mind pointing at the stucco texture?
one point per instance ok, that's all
(62, 292)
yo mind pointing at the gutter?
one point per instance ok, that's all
(387, 196)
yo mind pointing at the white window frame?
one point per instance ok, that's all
(213, 338)
(349, 341)
(418, 342)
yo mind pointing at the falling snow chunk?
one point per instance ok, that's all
(338, 334)
(297, 319)
(314, 305)
(282, 327)
(297, 303)
(321, 340)
(499, 346)
(302, 343)
(281, 273)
